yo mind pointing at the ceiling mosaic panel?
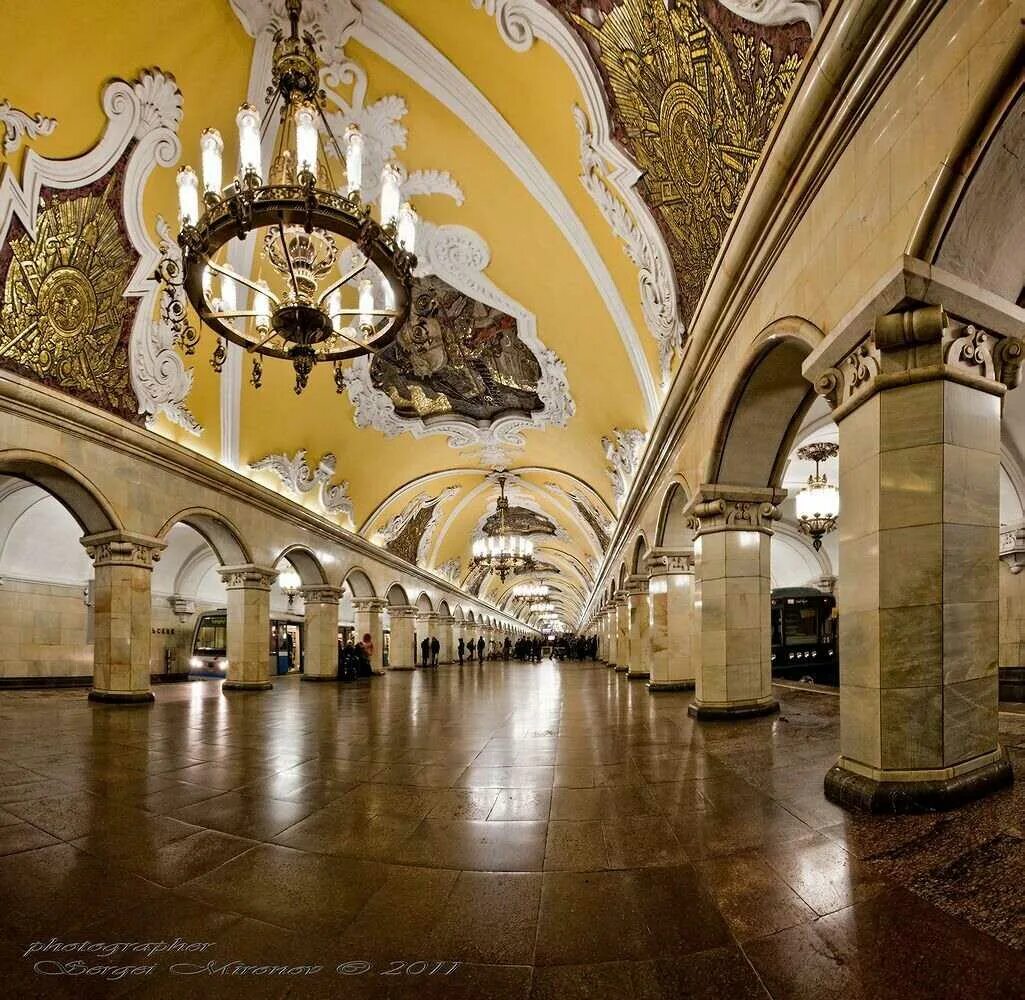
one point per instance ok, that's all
(457, 356)
(522, 520)
(694, 90)
(64, 318)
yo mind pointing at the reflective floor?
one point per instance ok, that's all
(547, 831)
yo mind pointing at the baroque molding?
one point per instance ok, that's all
(655, 278)
(401, 521)
(298, 478)
(459, 256)
(599, 525)
(143, 117)
(451, 569)
(19, 125)
(623, 454)
(735, 508)
(776, 13)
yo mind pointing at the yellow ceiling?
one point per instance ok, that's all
(202, 43)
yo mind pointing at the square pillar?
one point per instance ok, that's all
(401, 655)
(640, 628)
(918, 407)
(320, 633)
(248, 627)
(122, 615)
(623, 650)
(447, 634)
(731, 548)
(370, 621)
(675, 639)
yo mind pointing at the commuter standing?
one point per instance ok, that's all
(435, 650)
(461, 650)
(480, 649)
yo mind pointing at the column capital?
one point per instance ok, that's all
(248, 577)
(719, 507)
(662, 562)
(447, 619)
(620, 598)
(1012, 547)
(371, 604)
(123, 548)
(320, 593)
(403, 611)
(637, 584)
(920, 324)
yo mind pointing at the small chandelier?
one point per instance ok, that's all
(506, 551)
(320, 247)
(818, 503)
(531, 593)
(290, 583)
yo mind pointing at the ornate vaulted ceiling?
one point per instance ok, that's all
(576, 165)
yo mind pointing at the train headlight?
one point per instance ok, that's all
(196, 663)
(222, 665)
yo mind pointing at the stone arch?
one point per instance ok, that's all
(471, 618)
(638, 562)
(622, 575)
(305, 563)
(767, 408)
(423, 602)
(397, 596)
(358, 583)
(459, 614)
(974, 220)
(77, 494)
(672, 531)
(218, 532)
(443, 609)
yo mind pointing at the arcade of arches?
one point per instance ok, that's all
(668, 254)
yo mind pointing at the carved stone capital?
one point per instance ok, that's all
(1012, 547)
(403, 611)
(123, 548)
(637, 585)
(736, 508)
(374, 605)
(319, 593)
(248, 577)
(663, 562)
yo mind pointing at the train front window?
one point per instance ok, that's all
(800, 625)
(211, 635)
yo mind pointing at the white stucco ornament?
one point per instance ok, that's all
(298, 478)
(775, 12)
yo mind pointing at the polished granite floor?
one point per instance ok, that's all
(511, 831)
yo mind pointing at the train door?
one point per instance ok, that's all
(386, 646)
(286, 647)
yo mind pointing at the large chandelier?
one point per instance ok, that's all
(818, 503)
(506, 551)
(331, 283)
(531, 593)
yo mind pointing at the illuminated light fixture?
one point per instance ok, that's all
(818, 503)
(531, 593)
(305, 225)
(506, 551)
(290, 584)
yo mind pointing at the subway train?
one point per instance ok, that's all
(804, 635)
(209, 657)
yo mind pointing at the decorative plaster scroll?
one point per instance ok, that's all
(298, 478)
(330, 22)
(19, 125)
(654, 271)
(142, 122)
(623, 453)
(459, 256)
(775, 12)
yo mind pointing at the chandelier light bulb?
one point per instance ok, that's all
(354, 160)
(306, 138)
(248, 121)
(334, 309)
(366, 302)
(208, 283)
(229, 298)
(188, 196)
(407, 227)
(261, 306)
(211, 147)
(391, 194)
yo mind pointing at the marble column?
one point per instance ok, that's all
(623, 650)
(731, 548)
(320, 634)
(613, 635)
(122, 615)
(370, 620)
(639, 667)
(248, 626)
(675, 640)
(918, 406)
(1012, 612)
(401, 655)
(447, 637)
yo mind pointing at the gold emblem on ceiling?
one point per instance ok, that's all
(63, 313)
(695, 110)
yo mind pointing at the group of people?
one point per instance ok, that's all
(467, 650)
(355, 658)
